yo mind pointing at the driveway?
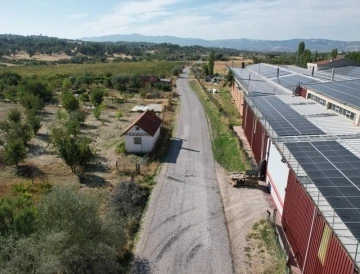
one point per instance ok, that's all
(184, 230)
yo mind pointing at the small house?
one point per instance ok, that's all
(148, 80)
(142, 135)
(338, 62)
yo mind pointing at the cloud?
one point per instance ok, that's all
(76, 15)
(256, 19)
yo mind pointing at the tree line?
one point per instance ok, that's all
(12, 44)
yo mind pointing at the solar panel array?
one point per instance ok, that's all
(267, 71)
(353, 72)
(284, 120)
(254, 84)
(336, 173)
(347, 92)
(293, 80)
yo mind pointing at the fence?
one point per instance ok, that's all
(126, 166)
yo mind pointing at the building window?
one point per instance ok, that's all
(137, 128)
(347, 113)
(325, 239)
(317, 99)
(137, 140)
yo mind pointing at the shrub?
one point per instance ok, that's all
(129, 199)
(119, 114)
(120, 148)
(69, 101)
(77, 115)
(14, 152)
(97, 96)
(34, 122)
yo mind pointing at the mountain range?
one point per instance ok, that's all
(321, 45)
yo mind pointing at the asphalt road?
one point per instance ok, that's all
(184, 229)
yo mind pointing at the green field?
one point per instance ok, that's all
(225, 145)
(160, 69)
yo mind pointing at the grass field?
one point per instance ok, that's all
(225, 146)
(161, 69)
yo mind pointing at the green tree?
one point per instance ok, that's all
(69, 101)
(31, 102)
(34, 121)
(211, 62)
(66, 84)
(14, 152)
(121, 82)
(334, 53)
(229, 79)
(37, 88)
(97, 96)
(301, 48)
(14, 116)
(316, 56)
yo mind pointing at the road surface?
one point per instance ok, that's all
(184, 230)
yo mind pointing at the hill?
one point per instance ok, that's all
(321, 45)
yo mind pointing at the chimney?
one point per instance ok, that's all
(312, 72)
(242, 64)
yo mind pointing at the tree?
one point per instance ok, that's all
(69, 101)
(31, 52)
(305, 58)
(334, 53)
(229, 78)
(211, 62)
(34, 121)
(14, 152)
(301, 48)
(316, 56)
(73, 149)
(121, 82)
(205, 69)
(66, 84)
(31, 102)
(14, 116)
(97, 96)
(38, 88)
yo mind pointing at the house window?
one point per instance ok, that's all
(137, 128)
(317, 99)
(137, 140)
(347, 113)
(324, 243)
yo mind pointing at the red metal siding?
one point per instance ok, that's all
(303, 92)
(297, 220)
(249, 124)
(258, 142)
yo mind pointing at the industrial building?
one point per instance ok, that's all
(305, 126)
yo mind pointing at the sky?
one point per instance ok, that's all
(206, 19)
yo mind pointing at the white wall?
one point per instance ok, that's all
(277, 177)
(147, 142)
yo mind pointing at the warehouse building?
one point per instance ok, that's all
(312, 154)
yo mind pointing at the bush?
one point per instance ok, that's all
(34, 122)
(77, 115)
(69, 101)
(119, 114)
(120, 148)
(31, 102)
(84, 98)
(129, 199)
(97, 96)
(120, 100)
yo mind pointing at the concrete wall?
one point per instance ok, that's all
(147, 142)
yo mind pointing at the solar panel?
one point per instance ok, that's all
(284, 120)
(267, 71)
(336, 173)
(344, 91)
(353, 72)
(292, 81)
(254, 84)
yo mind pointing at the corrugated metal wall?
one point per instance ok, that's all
(256, 137)
(297, 220)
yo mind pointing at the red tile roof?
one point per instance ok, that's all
(148, 121)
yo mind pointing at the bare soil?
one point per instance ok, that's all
(220, 65)
(243, 206)
(39, 56)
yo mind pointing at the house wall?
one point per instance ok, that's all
(277, 177)
(304, 226)
(303, 92)
(147, 142)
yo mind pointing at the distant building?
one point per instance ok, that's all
(333, 63)
(142, 135)
(148, 80)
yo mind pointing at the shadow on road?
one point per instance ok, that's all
(140, 266)
(176, 147)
